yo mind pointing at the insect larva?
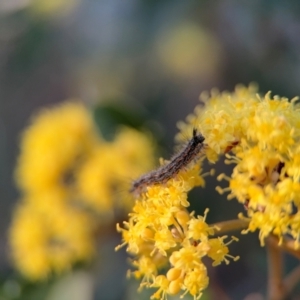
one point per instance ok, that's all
(178, 162)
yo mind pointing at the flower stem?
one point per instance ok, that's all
(292, 279)
(276, 290)
(230, 225)
(287, 244)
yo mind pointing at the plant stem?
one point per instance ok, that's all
(292, 279)
(276, 290)
(230, 225)
(287, 244)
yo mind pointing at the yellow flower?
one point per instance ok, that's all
(218, 251)
(263, 134)
(196, 281)
(199, 229)
(147, 269)
(103, 181)
(162, 283)
(52, 146)
(68, 176)
(222, 120)
(162, 233)
(186, 258)
(94, 180)
(46, 241)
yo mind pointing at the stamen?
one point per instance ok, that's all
(210, 173)
(120, 246)
(230, 196)
(229, 162)
(294, 100)
(221, 190)
(223, 176)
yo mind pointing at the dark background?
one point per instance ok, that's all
(153, 58)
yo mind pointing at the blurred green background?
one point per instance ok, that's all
(140, 60)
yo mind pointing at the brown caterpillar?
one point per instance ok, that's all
(178, 162)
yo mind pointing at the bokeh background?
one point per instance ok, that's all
(147, 60)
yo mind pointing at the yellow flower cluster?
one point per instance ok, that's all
(46, 242)
(53, 146)
(68, 176)
(263, 134)
(104, 180)
(164, 236)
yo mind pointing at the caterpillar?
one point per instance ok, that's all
(178, 162)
